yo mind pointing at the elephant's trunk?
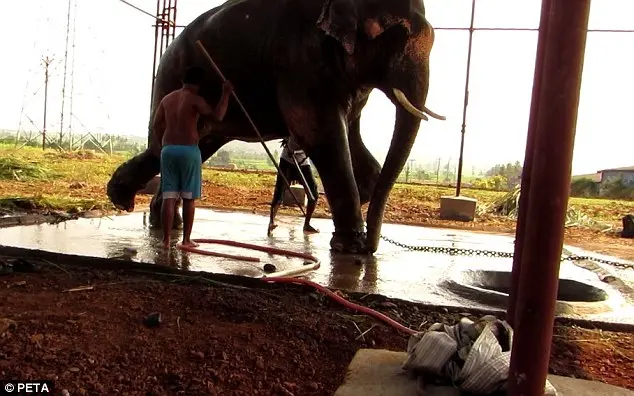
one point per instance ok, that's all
(406, 85)
(130, 177)
(405, 131)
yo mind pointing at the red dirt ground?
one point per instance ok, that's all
(219, 340)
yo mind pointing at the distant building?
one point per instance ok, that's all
(626, 174)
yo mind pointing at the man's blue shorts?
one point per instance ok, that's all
(181, 171)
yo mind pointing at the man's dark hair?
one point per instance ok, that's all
(194, 75)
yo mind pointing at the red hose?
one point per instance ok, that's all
(266, 249)
(344, 302)
(284, 252)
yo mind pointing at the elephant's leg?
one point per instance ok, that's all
(366, 167)
(208, 147)
(322, 133)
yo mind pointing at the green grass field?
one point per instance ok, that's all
(76, 181)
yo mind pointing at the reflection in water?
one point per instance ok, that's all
(346, 269)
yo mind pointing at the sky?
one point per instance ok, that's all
(110, 68)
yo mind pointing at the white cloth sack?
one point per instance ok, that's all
(475, 356)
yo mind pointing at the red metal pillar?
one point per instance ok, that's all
(548, 198)
(522, 211)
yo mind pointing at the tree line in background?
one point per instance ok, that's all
(501, 177)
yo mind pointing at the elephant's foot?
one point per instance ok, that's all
(155, 217)
(348, 242)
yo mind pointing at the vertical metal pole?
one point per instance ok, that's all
(167, 15)
(156, 32)
(47, 62)
(548, 200)
(174, 21)
(72, 83)
(438, 172)
(162, 22)
(522, 210)
(61, 122)
(466, 100)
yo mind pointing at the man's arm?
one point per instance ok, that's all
(158, 129)
(217, 114)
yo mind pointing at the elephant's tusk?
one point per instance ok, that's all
(434, 115)
(402, 99)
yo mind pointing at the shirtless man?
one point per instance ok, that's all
(176, 142)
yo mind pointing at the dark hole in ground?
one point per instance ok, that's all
(500, 281)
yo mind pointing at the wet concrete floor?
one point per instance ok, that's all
(392, 271)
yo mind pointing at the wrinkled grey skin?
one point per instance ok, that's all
(306, 68)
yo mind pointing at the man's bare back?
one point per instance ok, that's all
(176, 119)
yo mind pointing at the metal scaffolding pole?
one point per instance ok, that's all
(156, 35)
(166, 25)
(61, 122)
(557, 110)
(47, 62)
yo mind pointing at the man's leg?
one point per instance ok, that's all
(167, 218)
(189, 208)
(277, 194)
(191, 191)
(312, 203)
(169, 188)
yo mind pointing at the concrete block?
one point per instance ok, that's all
(151, 187)
(378, 373)
(458, 208)
(298, 191)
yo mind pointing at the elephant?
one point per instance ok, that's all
(305, 68)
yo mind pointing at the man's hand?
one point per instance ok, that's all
(227, 87)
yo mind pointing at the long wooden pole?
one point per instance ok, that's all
(255, 128)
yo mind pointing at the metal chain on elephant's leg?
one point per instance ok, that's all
(453, 251)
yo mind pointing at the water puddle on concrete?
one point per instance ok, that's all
(392, 271)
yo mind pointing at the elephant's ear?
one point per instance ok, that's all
(339, 20)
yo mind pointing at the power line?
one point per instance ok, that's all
(171, 23)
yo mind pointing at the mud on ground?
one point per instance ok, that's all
(220, 340)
